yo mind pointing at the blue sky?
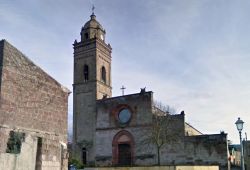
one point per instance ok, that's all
(193, 54)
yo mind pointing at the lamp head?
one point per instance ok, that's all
(239, 124)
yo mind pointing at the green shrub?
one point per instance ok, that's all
(77, 163)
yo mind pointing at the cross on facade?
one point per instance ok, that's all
(123, 88)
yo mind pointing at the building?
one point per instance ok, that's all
(33, 115)
(246, 146)
(111, 131)
(235, 153)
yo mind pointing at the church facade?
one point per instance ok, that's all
(111, 131)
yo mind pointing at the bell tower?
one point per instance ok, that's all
(92, 81)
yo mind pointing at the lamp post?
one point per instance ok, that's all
(239, 124)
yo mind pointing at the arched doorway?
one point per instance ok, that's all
(123, 148)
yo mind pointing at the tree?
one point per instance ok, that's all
(162, 130)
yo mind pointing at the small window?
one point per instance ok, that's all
(86, 35)
(84, 156)
(86, 72)
(103, 74)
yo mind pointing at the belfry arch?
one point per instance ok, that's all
(123, 147)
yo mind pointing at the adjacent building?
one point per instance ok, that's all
(33, 115)
(234, 155)
(246, 146)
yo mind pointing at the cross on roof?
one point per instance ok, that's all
(93, 9)
(123, 88)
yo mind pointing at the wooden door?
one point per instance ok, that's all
(124, 154)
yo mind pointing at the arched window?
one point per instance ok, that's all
(84, 156)
(86, 36)
(86, 72)
(103, 74)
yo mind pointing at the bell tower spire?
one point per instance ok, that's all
(92, 29)
(92, 81)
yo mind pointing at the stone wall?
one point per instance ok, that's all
(4, 133)
(197, 150)
(1, 62)
(140, 105)
(33, 102)
(213, 167)
(107, 126)
(207, 149)
(26, 160)
(39, 151)
(29, 97)
(246, 152)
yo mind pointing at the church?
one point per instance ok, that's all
(112, 130)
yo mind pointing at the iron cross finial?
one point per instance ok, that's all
(93, 9)
(123, 88)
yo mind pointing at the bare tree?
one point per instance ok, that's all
(161, 131)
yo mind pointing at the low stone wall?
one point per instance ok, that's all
(23, 161)
(39, 151)
(158, 168)
(197, 167)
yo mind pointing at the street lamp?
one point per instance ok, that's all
(239, 124)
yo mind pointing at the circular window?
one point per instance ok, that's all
(124, 116)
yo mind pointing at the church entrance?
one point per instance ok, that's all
(124, 154)
(123, 148)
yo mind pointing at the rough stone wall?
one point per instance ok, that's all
(144, 154)
(140, 105)
(1, 62)
(107, 126)
(4, 133)
(96, 54)
(26, 160)
(29, 97)
(173, 151)
(159, 168)
(207, 149)
(51, 153)
(103, 52)
(198, 150)
(32, 101)
(84, 54)
(46, 154)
